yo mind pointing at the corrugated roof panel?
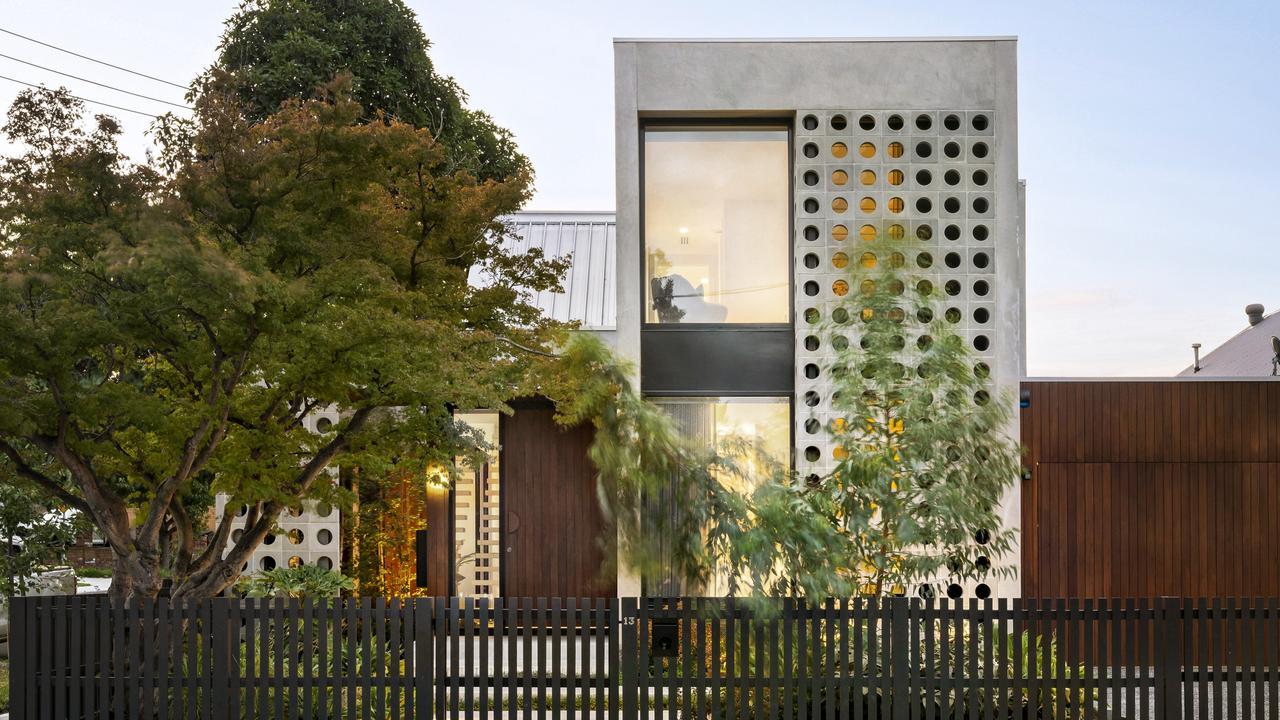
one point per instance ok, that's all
(579, 284)
(588, 238)
(594, 304)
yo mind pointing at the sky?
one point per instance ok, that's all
(1148, 131)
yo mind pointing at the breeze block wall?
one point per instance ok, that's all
(922, 182)
(918, 182)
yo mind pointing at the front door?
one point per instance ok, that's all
(551, 519)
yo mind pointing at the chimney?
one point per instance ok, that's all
(1254, 312)
(1195, 366)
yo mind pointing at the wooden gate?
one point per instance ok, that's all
(1151, 488)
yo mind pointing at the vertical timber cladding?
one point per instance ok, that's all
(552, 524)
(1144, 488)
(925, 182)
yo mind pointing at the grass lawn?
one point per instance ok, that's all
(4, 686)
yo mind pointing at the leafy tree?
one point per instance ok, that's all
(641, 454)
(35, 534)
(708, 528)
(273, 51)
(277, 50)
(165, 330)
(922, 458)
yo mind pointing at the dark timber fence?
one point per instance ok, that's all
(81, 657)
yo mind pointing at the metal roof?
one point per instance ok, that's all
(1248, 354)
(590, 240)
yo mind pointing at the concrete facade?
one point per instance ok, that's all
(825, 87)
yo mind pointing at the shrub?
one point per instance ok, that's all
(304, 581)
(863, 656)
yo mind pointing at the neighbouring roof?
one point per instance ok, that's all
(1248, 354)
(590, 240)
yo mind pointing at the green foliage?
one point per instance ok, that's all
(303, 581)
(93, 572)
(856, 649)
(923, 459)
(921, 464)
(34, 534)
(640, 455)
(279, 50)
(166, 334)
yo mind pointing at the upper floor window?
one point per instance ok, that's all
(717, 224)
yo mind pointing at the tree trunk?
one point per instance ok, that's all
(353, 531)
(208, 584)
(130, 580)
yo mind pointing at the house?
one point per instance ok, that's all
(748, 173)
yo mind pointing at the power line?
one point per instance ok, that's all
(94, 82)
(77, 97)
(86, 57)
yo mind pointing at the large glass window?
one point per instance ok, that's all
(727, 425)
(716, 225)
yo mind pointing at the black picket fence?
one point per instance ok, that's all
(82, 657)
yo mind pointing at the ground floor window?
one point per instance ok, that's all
(726, 424)
(720, 422)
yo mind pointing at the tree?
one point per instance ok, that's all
(35, 534)
(275, 51)
(278, 50)
(922, 459)
(640, 453)
(922, 455)
(168, 330)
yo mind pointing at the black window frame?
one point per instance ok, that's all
(776, 122)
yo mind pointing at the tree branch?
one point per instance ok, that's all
(105, 506)
(213, 576)
(199, 447)
(216, 543)
(186, 534)
(321, 460)
(525, 348)
(45, 482)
